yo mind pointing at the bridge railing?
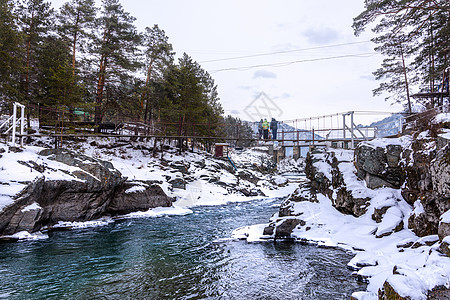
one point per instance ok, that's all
(11, 124)
(334, 128)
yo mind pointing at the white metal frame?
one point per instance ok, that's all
(14, 121)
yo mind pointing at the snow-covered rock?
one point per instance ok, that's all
(64, 186)
(336, 208)
(377, 162)
(427, 168)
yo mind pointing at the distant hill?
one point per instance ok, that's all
(388, 126)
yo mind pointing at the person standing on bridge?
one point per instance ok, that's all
(265, 127)
(260, 130)
(274, 128)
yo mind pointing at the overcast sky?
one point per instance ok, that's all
(319, 67)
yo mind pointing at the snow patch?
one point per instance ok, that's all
(136, 189)
(159, 212)
(445, 218)
(31, 207)
(26, 236)
(441, 118)
(391, 220)
(418, 208)
(403, 141)
(87, 224)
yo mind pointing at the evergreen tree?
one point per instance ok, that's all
(55, 78)
(234, 129)
(115, 48)
(158, 57)
(123, 100)
(408, 28)
(10, 64)
(76, 21)
(432, 58)
(394, 68)
(35, 20)
(192, 98)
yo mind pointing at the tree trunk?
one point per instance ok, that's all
(27, 69)
(99, 94)
(144, 93)
(100, 85)
(74, 45)
(406, 81)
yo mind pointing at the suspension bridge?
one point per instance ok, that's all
(340, 130)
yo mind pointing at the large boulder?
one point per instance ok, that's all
(303, 193)
(379, 166)
(444, 233)
(323, 171)
(138, 196)
(286, 226)
(85, 189)
(444, 226)
(346, 203)
(318, 171)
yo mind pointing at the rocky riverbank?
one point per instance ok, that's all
(45, 189)
(388, 202)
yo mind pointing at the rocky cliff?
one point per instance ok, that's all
(403, 186)
(85, 189)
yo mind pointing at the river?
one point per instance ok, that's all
(174, 257)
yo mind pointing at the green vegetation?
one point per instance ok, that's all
(413, 35)
(94, 60)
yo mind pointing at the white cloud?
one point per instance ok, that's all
(210, 30)
(322, 36)
(264, 74)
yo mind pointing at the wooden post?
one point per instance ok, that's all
(62, 128)
(313, 137)
(352, 127)
(154, 147)
(162, 147)
(343, 128)
(22, 123)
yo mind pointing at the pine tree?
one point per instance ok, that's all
(115, 47)
(192, 97)
(394, 68)
(35, 20)
(55, 78)
(418, 29)
(432, 58)
(235, 129)
(76, 21)
(158, 57)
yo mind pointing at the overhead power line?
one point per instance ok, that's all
(283, 52)
(284, 64)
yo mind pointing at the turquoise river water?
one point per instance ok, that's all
(174, 257)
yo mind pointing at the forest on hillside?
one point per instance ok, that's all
(93, 61)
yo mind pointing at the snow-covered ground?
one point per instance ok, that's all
(410, 264)
(412, 271)
(140, 165)
(207, 182)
